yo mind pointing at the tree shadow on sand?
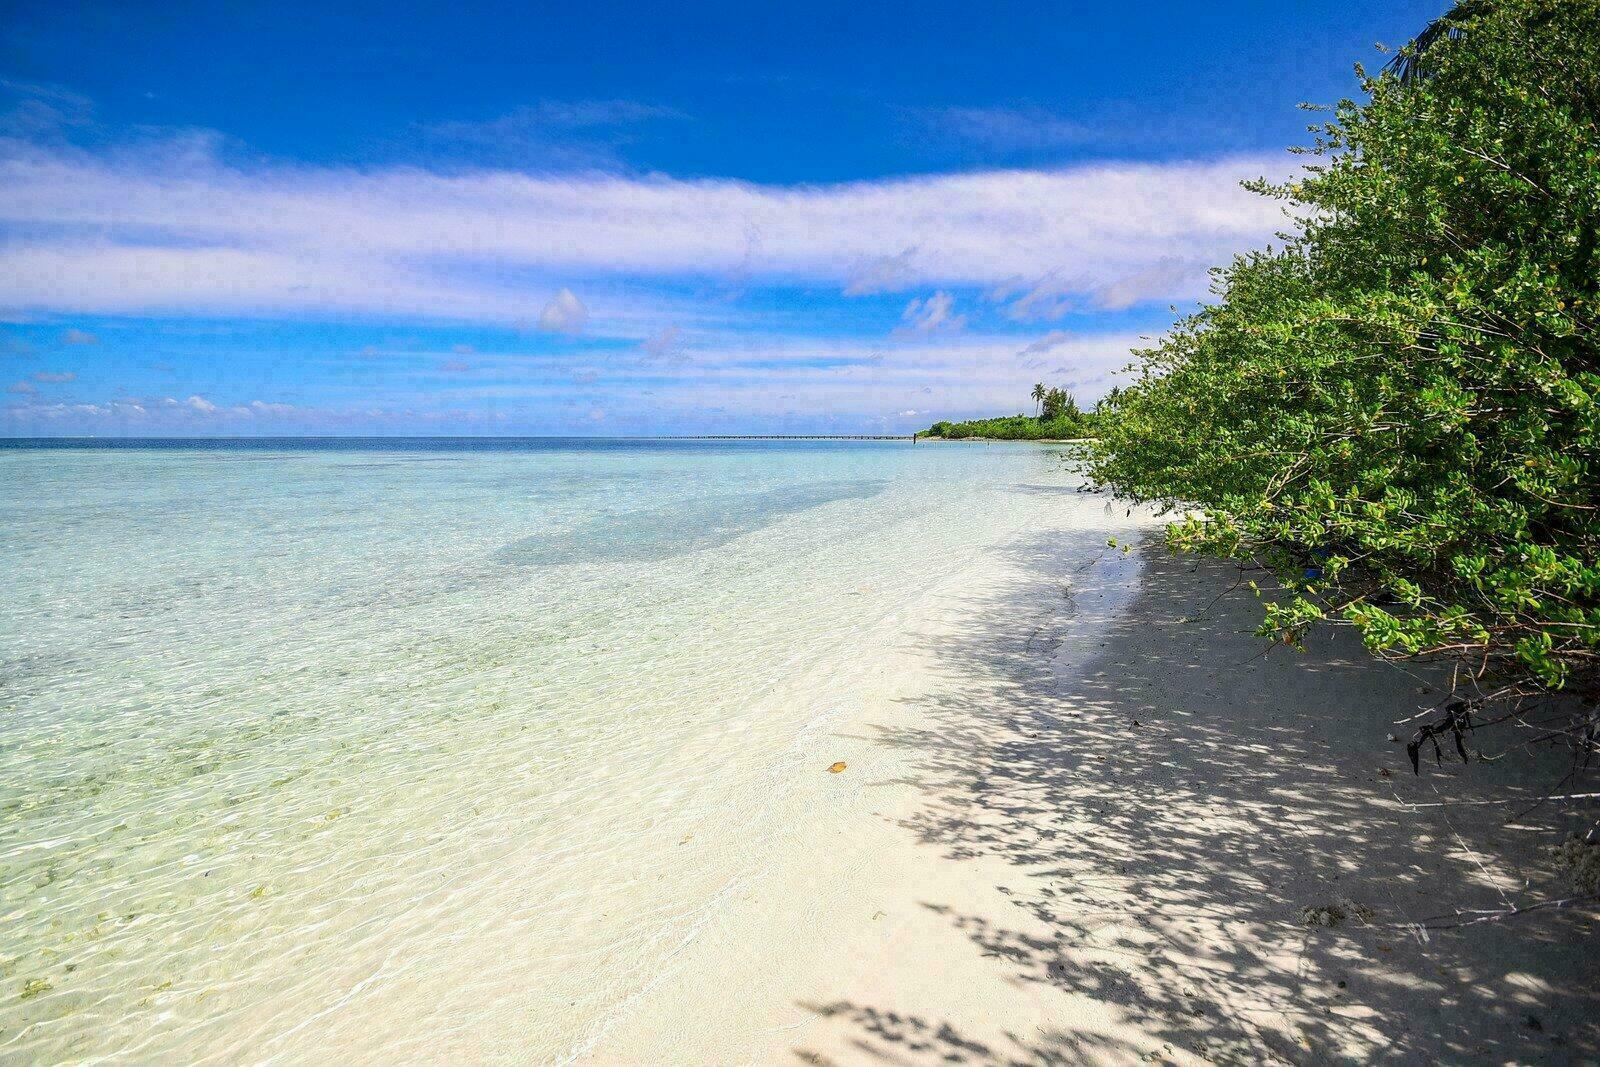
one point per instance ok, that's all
(1170, 799)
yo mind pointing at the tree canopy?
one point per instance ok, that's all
(1397, 409)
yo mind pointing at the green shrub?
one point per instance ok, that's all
(1399, 409)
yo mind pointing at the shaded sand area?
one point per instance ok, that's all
(1081, 818)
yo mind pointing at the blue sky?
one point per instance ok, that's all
(624, 218)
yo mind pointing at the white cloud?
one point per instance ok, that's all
(79, 337)
(564, 314)
(179, 231)
(934, 313)
(21, 387)
(54, 377)
(1168, 277)
(882, 275)
(202, 405)
(1049, 297)
(1053, 339)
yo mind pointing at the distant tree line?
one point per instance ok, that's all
(1057, 417)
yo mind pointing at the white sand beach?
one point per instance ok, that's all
(1083, 812)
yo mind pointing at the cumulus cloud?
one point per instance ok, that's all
(934, 313)
(21, 387)
(565, 313)
(201, 404)
(186, 233)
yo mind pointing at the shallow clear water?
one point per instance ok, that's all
(393, 747)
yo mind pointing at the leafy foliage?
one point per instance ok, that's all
(1398, 410)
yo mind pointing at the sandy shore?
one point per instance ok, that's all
(1081, 818)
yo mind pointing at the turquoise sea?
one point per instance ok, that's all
(312, 745)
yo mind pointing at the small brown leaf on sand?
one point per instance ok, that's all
(836, 768)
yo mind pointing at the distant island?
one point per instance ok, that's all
(1056, 417)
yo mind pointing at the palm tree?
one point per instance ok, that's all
(1038, 395)
(1409, 64)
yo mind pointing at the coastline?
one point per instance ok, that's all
(1082, 818)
